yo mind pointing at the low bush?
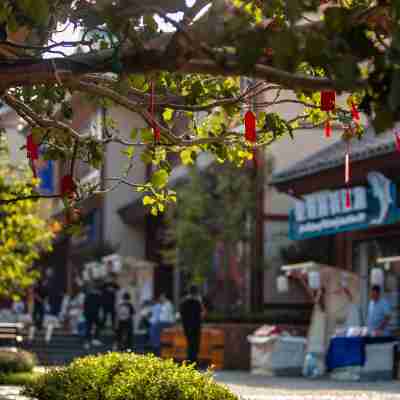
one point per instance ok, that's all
(126, 376)
(16, 361)
(18, 378)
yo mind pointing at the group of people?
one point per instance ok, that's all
(89, 310)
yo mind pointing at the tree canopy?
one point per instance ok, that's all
(293, 50)
(24, 234)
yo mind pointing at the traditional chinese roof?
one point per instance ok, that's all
(370, 146)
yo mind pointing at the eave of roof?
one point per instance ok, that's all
(370, 146)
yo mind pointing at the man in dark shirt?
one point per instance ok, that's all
(40, 294)
(91, 311)
(108, 299)
(192, 310)
(125, 323)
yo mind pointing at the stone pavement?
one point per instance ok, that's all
(253, 387)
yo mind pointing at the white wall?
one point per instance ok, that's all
(131, 239)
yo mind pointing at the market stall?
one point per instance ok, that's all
(337, 341)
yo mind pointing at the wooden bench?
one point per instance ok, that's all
(10, 334)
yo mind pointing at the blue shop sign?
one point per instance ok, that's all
(325, 212)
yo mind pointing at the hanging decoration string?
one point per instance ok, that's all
(156, 128)
(347, 175)
(56, 74)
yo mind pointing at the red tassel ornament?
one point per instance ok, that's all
(328, 128)
(156, 132)
(67, 186)
(250, 127)
(328, 100)
(32, 150)
(348, 198)
(354, 113)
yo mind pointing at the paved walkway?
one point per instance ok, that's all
(254, 387)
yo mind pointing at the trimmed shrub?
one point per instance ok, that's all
(18, 378)
(126, 376)
(16, 361)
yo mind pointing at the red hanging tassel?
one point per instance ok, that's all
(156, 132)
(250, 127)
(32, 148)
(67, 186)
(328, 128)
(348, 198)
(397, 136)
(328, 100)
(354, 113)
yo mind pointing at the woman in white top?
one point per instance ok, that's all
(167, 316)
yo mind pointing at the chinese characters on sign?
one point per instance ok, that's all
(325, 212)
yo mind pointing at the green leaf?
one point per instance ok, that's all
(147, 200)
(154, 211)
(147, 135)
(186, 157)
(159, 178)
(134, 133)
(146, 157)
(168, 114)
(129, 151)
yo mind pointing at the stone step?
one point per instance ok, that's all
(64, 348)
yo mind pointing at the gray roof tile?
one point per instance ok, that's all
(332, 156)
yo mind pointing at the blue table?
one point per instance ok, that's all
(350, 351)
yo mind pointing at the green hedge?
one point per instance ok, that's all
(18, 378)
(16, 361)
(126, 376)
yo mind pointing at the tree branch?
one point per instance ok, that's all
(29, 72)
(22, 110)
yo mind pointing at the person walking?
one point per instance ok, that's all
(167, 317)
(40, 295)
(125, 313)
(142, 336)
(155, 327)
(192, 312)
(108, 300)
(91, 310)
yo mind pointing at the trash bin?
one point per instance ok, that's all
(276, 353)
